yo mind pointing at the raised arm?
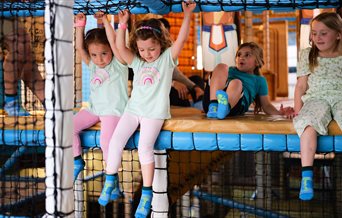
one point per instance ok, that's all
(125, 52)
(183, 34)
(111, 36)
(80, 22)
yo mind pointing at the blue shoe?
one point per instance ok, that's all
(78, 167)
(306, 189)
(223, 106)
(13, 108)
(212, 111)
(144, 204)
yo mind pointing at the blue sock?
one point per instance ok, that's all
(107, 189)
(78, 166)
(212, 111)
(116, 193)
(223, 107)
(13, 107)
(306, 188)
(145, 203)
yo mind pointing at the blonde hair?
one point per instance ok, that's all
(146, 29)
(334, 22)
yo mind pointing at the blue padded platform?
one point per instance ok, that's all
(182, 141)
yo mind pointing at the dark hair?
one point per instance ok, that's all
(146, 29)
(97, 35)
(165, 23)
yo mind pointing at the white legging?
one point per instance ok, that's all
(149, 131)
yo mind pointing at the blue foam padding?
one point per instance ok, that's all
(228, 142)
(293, 143)
(325, 143)
(182, 141)
(251, 142)
(338, 143)
(274, 142)
(205, 141)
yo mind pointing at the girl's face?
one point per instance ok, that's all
(323, 37)
(100, 54)
(149, 49)
(245, 60)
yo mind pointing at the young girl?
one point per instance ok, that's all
(233, 89)
(108, 86)
(153, 61)
(318, 92)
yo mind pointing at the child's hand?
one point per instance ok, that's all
(287, 111)
(123, 16)
(99, 15)
(188, 6)
(80, 20)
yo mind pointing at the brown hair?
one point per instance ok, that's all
(333, 21)
(96, 35)
(146, 29)
(259, 56)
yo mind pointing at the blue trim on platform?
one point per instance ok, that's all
(187, 141)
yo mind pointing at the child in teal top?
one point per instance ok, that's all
(232, 90)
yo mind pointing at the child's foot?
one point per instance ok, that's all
(223, 106)
(13, 108)
(212, 111)
(306, 189)
(107, 189)
(78, 167)
(145, 204)
(116, 193)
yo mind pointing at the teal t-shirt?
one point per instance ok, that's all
(108, 88)
(252, 85)
(151, 87)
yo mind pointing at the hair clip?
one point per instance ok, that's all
(148, 28)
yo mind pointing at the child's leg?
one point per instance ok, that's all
(82, 120)
(149, 131)
(123, 131)
(308, 144)
(108, 125)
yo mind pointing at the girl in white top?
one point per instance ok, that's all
(108, 86)
(153, 57)
(318, 92)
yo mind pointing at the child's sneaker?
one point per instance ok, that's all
(13, 108)
(223, 105)
(212, 111)
(78, 167)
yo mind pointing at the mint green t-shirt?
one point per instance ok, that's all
(108, 88)
(252, 85)
(151, 87)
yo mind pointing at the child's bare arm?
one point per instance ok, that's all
(125, 52)
(183, 34)
(111, 36)
(79, 23)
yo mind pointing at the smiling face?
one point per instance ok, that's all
(149, 49)
(100, 54)
(245, 60)
(324, 38)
